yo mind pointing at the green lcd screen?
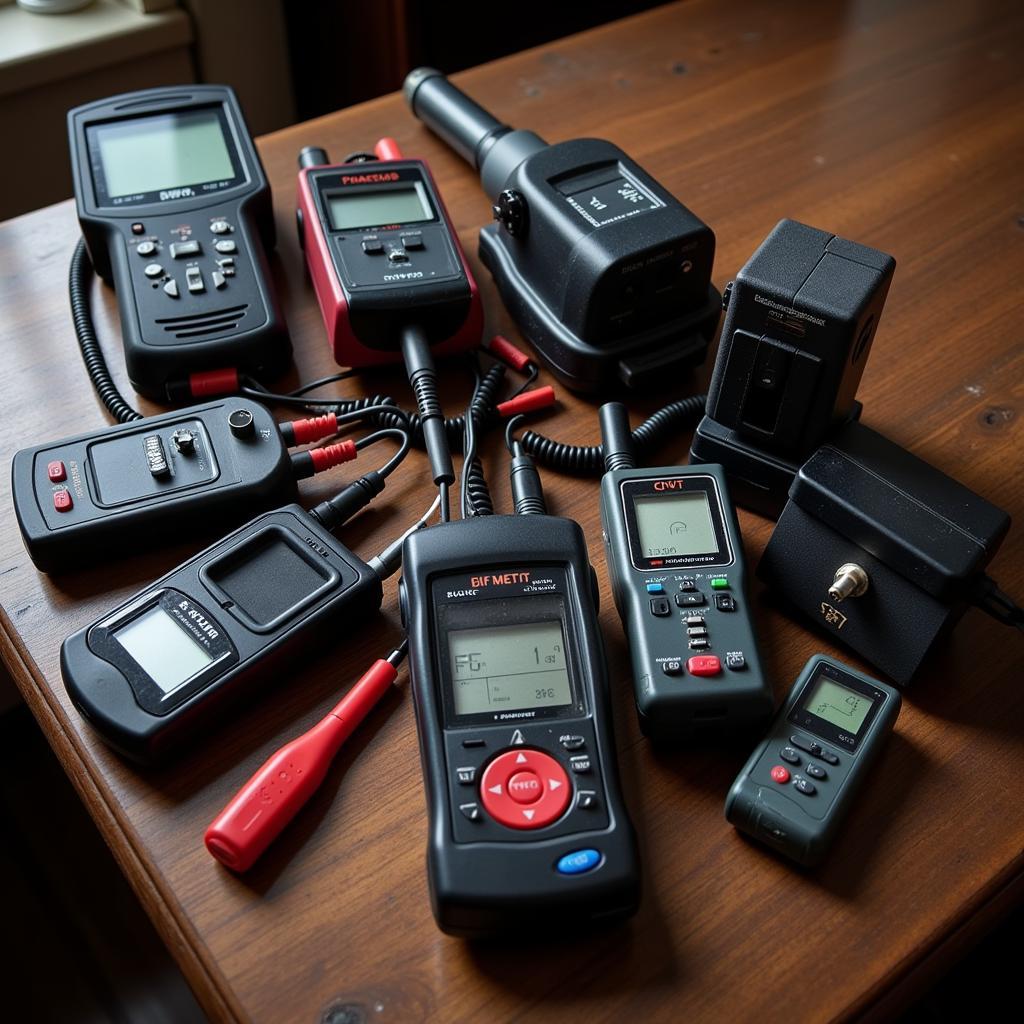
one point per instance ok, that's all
(163, 151)
(509, 668)
(838, 705)
(372, 208)
(675, 524)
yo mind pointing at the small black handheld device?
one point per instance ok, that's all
(143, 483)
(605, 271)
(153, 672)
(527, 824)
(797, 787)
(678, 576)
(176, 213)
(800, 319)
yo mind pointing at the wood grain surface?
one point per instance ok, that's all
(895, 124)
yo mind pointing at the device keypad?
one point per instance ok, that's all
(185, 246)
(527, 758)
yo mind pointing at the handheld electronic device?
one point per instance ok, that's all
(148, 675)
(797, 787)
(176, 211)
(800, 319)
(678, 576)
(527, 823)
(604, 270)
(383, 254)
(78, 498)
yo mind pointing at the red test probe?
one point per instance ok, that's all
(273, 796)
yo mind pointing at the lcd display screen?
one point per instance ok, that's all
(163, 650)
(372, 208)
(838, 705)
(509, 668)
(151, 154)
(675, 524)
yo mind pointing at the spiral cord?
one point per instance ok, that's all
(79, 280)
(588, 460)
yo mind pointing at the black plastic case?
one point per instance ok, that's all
(922, 538)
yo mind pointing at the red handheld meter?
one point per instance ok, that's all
(382, 254)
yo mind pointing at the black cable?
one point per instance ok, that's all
(532, 373)
(510, 428)
(360, 157)
(466, 507)
(378, 435)
(79, 280)
(993, 601)
(320, 382)
(588, 460)
(442, 493)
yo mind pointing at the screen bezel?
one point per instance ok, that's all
(824, 729)
(103, 642)
(329, 182)
(414, 184)
(201, 190)
(666, 487)
(506, 610)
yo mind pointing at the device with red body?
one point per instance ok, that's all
(383, 254)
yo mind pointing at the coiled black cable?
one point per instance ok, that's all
(588, 460)
(79, 280)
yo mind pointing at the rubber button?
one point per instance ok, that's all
(704, 665)
(789, 755)
(719, 583)
(506, 809)
(56, 472)
(525, 788)
(578, 862)
(660, 606)
(780, 775)
(62, 501)
(805, 786)
(655, 588)
(816, 771)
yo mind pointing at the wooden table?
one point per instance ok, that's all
(898, 125)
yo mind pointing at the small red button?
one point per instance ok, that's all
(62, 501)
(704, 665)
(507, 785)
(780, 774)
(524, 787)
(56, 471)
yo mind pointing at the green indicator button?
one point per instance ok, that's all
(719, 583)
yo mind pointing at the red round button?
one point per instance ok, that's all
(780, 774)
(525, 788)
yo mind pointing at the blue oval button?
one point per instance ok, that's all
(578, 861)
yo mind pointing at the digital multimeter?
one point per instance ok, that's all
(383, 254)
(175, 210)
(797, 786)
(527, 823)
(675, 561)
(79, 498)
(151, 673)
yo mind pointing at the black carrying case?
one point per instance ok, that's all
(923, 539)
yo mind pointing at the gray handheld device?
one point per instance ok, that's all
(796, 788)
(675, 560)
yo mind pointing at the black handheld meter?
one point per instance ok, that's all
(151, 673)
(602, 268)
(176, 211)
(527, 823)
(675, 560)
(800, 781)
(142, 483)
